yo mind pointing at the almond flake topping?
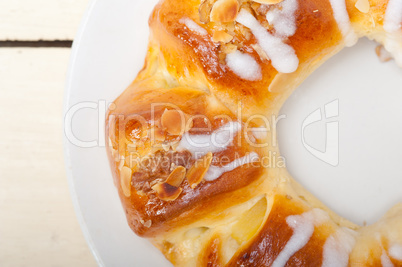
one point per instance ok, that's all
(229, 48)
(363, 6)
(122, 162)
(224, 11)
(263, 55)
(222, 36)
(205, 9)
(175, 122)
(167, 192)
(197, 172)
(147, 224)
(125, 180)
(383, 54)
(177, 176)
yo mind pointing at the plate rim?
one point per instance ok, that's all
(66, 145)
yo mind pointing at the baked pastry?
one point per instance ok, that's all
(193, 145)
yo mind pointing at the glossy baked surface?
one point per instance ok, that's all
(190, 88)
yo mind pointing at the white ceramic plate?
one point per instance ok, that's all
(108, 53)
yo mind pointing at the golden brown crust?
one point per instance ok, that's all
(139, 207)
(211, 255)
(317, 31)
(186, 87)
(275, 234)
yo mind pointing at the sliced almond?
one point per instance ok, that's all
(114, 152)
(268, 2)
(148, 224)
(177, 176)
(174, 145)
(222, 36)
(121, 150)
(176, 122)
(166, 191)
(224, 11)
(115, 155)
(255, 6)
(263, 55)
(383, 54)
(197, 172)
(363, 6)
(166, 147)
(231, 27)
(125, 180)
(244, 31)
(172, 121)
(122, 162)
(205, 10)
(229, 48)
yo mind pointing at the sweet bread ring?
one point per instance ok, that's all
(187, 144)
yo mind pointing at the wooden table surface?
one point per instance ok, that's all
(38, 226)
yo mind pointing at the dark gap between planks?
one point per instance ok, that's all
(40, 43)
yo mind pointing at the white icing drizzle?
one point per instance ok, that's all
(385, 260)
(383, 54)
(192, 26)
(393, 44)
(395, 252)
(214, 172)
(342, 18)
(303, 229)
(392, 25)
(338, 247)
(283, 57)
(244, 66)
(283, 18)
(219, 140)
(393, 16)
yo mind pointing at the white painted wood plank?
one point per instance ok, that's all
(40, 19)
(38, 226)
